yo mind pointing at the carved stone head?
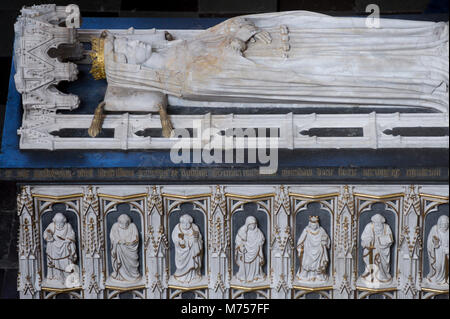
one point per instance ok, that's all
(186, 221)
(313, 222)
(443, 223)
(251, 223)
(378, 221)
(124, 221)
(59, 220)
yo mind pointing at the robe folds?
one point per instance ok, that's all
(437, 249)
(188, 253)
(312, 59)
(249, 254)
(314, 257)
(125, 253)
(377, 252)
(61, 250)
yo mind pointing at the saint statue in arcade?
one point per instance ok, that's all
(188, 250)
(437, 249)
(124, 238)
(312, 248)
(376, 241)
(61, 248)
(249, 254)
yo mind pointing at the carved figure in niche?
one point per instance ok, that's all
(437, 249)
(376, 241)
(312, 248)
(124, 237)
(188, 250)
(61, 248)
(249, 251)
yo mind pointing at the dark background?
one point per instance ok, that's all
(436, 10)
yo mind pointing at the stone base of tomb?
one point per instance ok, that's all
(219, 210)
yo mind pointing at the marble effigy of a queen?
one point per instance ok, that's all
(297, 57)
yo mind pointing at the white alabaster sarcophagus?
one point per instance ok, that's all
(356, 117)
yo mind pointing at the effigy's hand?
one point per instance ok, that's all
(263, 36)
(238, 45)
(246, 30)
(436, 242)
(242, 249)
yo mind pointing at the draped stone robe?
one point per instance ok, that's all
(438, 255)
(314, 254)
(249, 254)
(124, 253)
(61, 250)
(188, 253)
(313, 59)
(376, 252)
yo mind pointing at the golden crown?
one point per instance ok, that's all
(98, 58)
